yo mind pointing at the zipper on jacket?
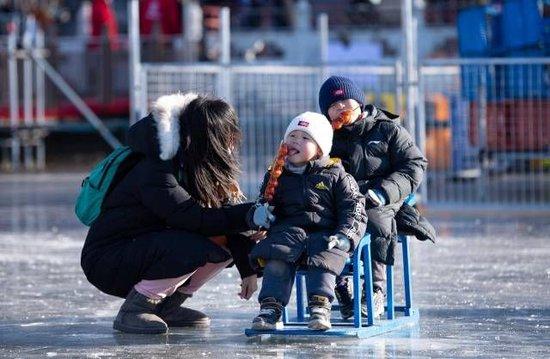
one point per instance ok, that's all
(304, 182)
(305, 207)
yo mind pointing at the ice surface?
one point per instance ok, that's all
(483, 291)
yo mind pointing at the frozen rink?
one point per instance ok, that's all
(483, 291)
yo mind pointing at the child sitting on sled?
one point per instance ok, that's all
(320, 218)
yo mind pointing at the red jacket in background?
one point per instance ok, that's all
(166, 12)
(104, 19)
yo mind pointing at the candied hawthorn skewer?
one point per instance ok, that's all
(275, 173)
(342, 120)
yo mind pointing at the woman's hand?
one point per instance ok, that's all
(258, 236)
(248, 286)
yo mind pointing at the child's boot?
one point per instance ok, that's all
(319, 313)
(138, 315)
(378, 299)
(269, 316)
(171, 311)
(345, 299)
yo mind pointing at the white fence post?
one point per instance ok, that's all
(224, 75)
(14, 94)
(323, 30)
(134, 53)
(410, 59)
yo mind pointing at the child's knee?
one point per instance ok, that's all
(277, 267)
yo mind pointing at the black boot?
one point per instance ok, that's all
(138, 315)
(171, 311)
(269, 316)
(345, 299)
(319, 313)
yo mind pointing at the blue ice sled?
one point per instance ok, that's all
(358, 266)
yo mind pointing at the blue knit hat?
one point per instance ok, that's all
(338, 88)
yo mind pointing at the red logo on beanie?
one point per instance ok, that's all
(338, 92)
(303, 123)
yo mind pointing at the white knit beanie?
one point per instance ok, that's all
(317, 126)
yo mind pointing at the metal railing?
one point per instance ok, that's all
(94, 69)
(486, 121)
(265, 97)
(488, 130)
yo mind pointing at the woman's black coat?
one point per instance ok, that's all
(149, 226)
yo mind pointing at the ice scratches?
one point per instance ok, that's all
(33, 324)
(482, 291)
(101, 355)
(108, 309)
(34, 248)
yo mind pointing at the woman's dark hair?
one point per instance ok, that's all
(210, 135)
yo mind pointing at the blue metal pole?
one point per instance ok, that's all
(357, 282)
(389, 291)
(300, 297)
(407, 274)
(368, 285)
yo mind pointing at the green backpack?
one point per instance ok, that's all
(99, 182)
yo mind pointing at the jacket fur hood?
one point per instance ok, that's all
(166, 111)
(158, 135)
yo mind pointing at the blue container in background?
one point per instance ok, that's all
(545, 25)
(520, 25)
(514, 29)
(473, 39)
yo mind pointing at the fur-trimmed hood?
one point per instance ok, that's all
(158, 134)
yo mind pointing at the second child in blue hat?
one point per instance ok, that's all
(382, 157)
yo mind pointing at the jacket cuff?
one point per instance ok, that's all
(236, 215)
(351, 235)
(245, 270)
(363, 187)
(391, 191)
(240, 247)
(381, 192)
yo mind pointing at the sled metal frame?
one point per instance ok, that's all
(359, 266)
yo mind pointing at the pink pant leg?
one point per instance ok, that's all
(201, 276)
(160, 288)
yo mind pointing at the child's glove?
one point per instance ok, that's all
(339, 241)
(375, 198)
(260, 215)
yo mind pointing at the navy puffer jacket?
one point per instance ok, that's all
(380, 154)
(322, 201)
